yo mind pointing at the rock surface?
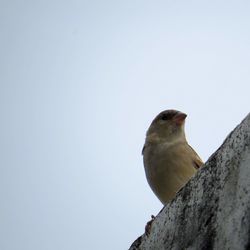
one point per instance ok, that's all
(213, 210)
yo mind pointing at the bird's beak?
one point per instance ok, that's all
(179, 118)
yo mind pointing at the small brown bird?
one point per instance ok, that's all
(169, 161)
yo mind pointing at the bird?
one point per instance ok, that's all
(169, 161)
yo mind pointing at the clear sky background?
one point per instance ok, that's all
(80, 82)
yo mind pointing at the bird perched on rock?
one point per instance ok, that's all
(169, 161)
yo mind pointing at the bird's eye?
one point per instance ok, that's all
(168, 116)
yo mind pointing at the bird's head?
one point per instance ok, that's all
(167, 126)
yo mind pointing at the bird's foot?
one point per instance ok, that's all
(148, 225)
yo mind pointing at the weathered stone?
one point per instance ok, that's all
(213, 210)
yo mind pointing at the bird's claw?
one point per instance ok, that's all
(148, 225)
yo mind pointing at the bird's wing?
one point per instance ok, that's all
(197, 160)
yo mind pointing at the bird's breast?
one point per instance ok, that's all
(167, 168)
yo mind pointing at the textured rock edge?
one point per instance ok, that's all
(212, 211)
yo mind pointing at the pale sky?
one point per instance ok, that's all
(80, 82)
